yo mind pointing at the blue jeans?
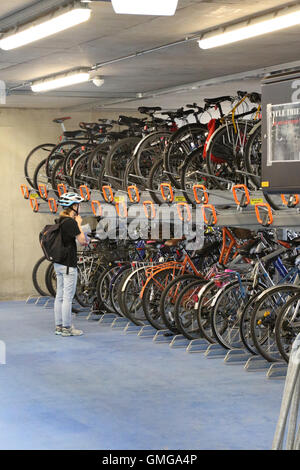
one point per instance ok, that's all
(65, 291)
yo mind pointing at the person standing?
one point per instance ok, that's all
(66, 269)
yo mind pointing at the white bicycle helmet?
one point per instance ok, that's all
(68, 199)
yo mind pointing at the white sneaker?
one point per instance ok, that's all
(71, 332)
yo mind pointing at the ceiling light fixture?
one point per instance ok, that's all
(276, 21)
(145, 7)
(60, 81)
(47, 26)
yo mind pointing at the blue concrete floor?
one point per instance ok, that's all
(108, 390)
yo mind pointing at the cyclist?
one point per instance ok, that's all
(66, 270)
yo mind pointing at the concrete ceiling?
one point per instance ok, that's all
(170, 76)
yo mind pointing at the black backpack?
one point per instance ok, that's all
(52, 244)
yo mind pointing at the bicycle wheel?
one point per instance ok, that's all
(72, 156)
(129, 296)
(186, 311)
(252, 155)
(59, 151)
(50, 278)
(263, 319)
(287, 326)
(149, 151)
(168, 300)
(156, 177)
(206, 297)
(117, 158)
(39, 276)
(152, 295)
(79, 173)
(245, 331)
(191, 174)
(97, 158)
(181, 144)
(225, 154)
(34, 157)
(115, 286)
(227, 311)
(40, 175)
(103, 288)
(131, 178)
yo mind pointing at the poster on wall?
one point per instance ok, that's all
(283, 126)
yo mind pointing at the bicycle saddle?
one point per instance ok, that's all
(73, 134)
(217, 100)
(149, 109)
(90, 126)
(180, 113)
(130, 121)
(60, 120)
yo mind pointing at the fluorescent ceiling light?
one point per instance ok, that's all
(44, 28)
(145, 7)
(60, 81)
(267, 24)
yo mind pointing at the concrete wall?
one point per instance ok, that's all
(20, 131)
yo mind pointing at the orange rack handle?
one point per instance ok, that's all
(85, 192)
(213, 214)
(292, 201)
(245, 199)
(61, 189)
(204, 196)
(24, 191)
(133, 193)
(169, 197)
(34, 204)
(52, 205)
(124, 212)
(108, 197)
(180, 206)
(265, 222)
(43, 191)
(97, 203)
(146, 205)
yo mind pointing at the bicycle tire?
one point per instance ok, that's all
(193, 164)
(226, 316)
(286, 329)
(185, 311)
(151, 295)
(32, 156)
(37, 285)
(179, 148)
(225, 157)
(263, 332)
(167, 305)
(117, 158)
